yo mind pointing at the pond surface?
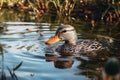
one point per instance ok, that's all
(23, 42)
(28, 47)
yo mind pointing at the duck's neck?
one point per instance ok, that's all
(70, 42)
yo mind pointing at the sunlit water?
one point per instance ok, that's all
(22, 45)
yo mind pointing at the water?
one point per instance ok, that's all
(24, 42)
(21, 45)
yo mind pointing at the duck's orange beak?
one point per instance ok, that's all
(53, 40)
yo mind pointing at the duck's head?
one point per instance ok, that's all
(65, 33)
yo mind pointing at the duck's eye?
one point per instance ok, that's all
(64, 31)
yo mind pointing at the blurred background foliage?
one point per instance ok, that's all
(97, 9)
(93, 15)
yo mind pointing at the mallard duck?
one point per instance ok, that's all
(68, 34)
(111, 69)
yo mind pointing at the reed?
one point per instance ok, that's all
(12, 73)
(66, 8)
(63, 8)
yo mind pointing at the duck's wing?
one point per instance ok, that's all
(88, 46)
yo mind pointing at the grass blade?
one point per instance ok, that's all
(17, 66)
(10, 71)
(15, 77)
(3, 76)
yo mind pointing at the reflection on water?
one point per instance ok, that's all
(19, 44)
(61, 62)
(91, 68)
(86, 68)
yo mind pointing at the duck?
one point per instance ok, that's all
(71, 45)
(111, 69)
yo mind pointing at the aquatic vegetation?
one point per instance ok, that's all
(4, 76)
(63, 8)
(84, 9)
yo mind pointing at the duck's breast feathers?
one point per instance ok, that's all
(68, 49)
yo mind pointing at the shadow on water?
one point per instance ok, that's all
(23, 50)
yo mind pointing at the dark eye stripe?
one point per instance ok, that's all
(66, 30)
